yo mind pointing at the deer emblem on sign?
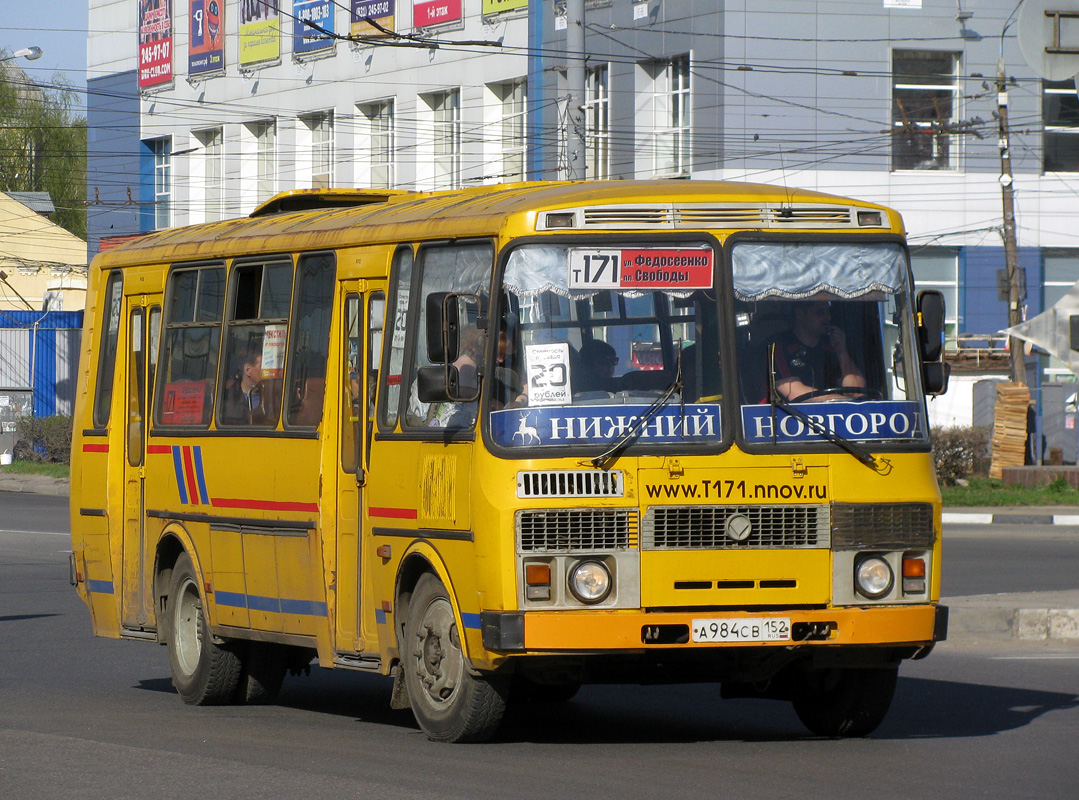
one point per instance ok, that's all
(525, 431)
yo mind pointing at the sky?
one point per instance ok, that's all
(58, 27)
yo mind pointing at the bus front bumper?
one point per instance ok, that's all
(606, 631)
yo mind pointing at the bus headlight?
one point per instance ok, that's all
(590, 582)
(873, 577)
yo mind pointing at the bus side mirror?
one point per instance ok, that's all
(930, 324)
(443, 327)
(935, 376)
(438, 384)
(935, 372)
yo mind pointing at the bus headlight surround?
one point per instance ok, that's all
(873, 577)
(590, 582)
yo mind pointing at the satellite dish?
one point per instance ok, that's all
(1042, 35)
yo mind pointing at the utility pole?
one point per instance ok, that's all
(575, 119)
(1011, 249)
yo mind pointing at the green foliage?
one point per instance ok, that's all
(986, 492)
(43, 439)
(961, 453)
(43, 144)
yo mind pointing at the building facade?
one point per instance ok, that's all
(202, 109)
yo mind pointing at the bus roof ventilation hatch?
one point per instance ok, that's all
(317, 199)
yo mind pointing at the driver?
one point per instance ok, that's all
(812, 357)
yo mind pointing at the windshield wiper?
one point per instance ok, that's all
(777, 401)
(603, 459)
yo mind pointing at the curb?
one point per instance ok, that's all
(1037, 616)
(1010, 518)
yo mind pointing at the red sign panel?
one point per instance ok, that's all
(436, 12)
(155, 42)
(666, 269)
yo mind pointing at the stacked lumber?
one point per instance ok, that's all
(1009, 427)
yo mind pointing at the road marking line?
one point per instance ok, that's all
(956, 518)
(1053, 657)
(36, 533)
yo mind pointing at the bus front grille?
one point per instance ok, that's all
(576, 529)
(890, 526)
(735, 527)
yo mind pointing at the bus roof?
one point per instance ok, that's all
(334, 218)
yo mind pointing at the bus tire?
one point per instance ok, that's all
(844, 702)
(449, 702)
(204, 673)
(261, 674)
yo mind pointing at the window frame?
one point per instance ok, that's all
(380, 119)
(910, 122)
(597, 97)
(1052, 128)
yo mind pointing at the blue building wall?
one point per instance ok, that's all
(50, 342)
(112, 162)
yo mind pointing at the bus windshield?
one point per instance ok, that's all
(591, 337)
(824, 327)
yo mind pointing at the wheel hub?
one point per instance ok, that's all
(439, 661)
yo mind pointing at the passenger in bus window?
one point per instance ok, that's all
(811, 358)
(463, 414)
(598, 361)
(243, 399)
(509, 390)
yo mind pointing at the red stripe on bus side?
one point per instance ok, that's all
(189, 476)
(95, 448)
(263, 505)
(393, 513)
(159, 449)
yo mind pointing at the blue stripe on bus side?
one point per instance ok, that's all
(273, 605)
(471, 620)
(178, 465)
(101, 587)
(200, 476)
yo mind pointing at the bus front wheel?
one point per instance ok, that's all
(844, 702)
(203, 672)
(449, 702)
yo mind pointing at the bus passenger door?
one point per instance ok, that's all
(143, 324)
(361, 346)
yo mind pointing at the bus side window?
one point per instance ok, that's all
(394, 354)
(257, 325)
(107, 359)
(187, 374)
(310, 342)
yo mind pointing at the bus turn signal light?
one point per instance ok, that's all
(538, 581)
(913, 575)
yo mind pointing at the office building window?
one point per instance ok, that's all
(938, 268)
(670, 116)
(378, 119)
(598, 121)
(320, 138)
(1060, 112)
(162, 154)
(213, 173)
(925, 108)
(265, 136)
(446, 138)
(513, 97)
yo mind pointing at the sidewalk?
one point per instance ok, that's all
(35, 484)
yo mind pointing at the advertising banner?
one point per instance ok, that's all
(206, 52)
(306, 39)
(260, 31)
(155, 43)
(887, 420)
(498, 6)
(436, 12)
(381, 11)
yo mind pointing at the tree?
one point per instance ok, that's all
(43, 144)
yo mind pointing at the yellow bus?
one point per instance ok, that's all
(501, 442)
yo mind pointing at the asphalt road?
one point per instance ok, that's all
(96, 718)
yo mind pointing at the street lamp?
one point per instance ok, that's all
(29, 53)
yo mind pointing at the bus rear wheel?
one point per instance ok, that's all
(844, 702)
(449, 702)
(203, 672)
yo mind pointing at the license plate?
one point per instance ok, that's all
(756, 629)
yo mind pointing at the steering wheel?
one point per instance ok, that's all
(866, 394)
